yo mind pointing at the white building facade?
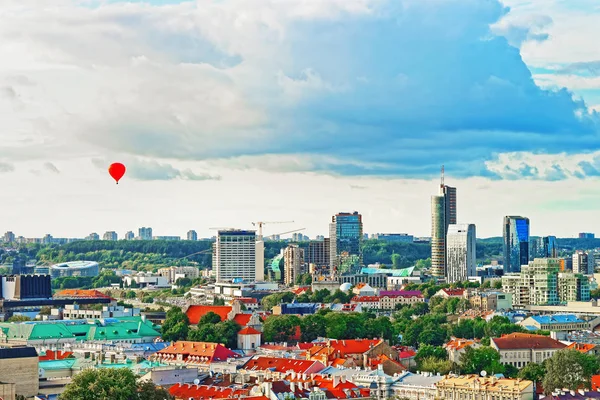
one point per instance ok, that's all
(460, 252)
(235, 256)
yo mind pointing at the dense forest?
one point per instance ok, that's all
(153, 254)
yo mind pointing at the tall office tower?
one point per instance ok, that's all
(293, 260)
(516, 243)
(543, 247)
(586, 235)
(443, 214)
(192, 235)
(145, 233)
(345, 239)
(234, 256)
(460, 252)
(583, 262)
(129, 235)
(317, 253)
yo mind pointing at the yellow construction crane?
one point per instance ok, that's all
(260, 224)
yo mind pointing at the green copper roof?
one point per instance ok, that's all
(405, 272)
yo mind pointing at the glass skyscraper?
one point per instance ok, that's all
(443, 214)
(346, 238)
(516, 243)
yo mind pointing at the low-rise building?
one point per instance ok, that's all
(20, 366)
(484, 388)
(198, 354)
(448, 293)
(174, 273)
(75, 311)
(559, 322)
(457, 347)
(389, 299)
(490, 301)
(520, 349)
(367, 302)
(351, 353)
(412, 386)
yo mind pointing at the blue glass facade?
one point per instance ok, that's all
(349, 234)
(516, 243)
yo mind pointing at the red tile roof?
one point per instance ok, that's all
(283, 365)
(516, 341)
(242, 319)
(81, 293)
(352, 346)
(458, 344)
(364, 299)
(248, 331)
(581, 347)
(247, 300)
(197, 352)
(194, 313)
(186, 391)
(406, 354)
(50, 355)
(454, 292)
(343, 390)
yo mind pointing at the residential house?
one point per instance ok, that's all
(520, 349)
(197, 354)
(367, 302)
(351, 353)
(227, 313)
(586, 348)
(448, 293)
(456, 347)
(389, 299)
(261, 366)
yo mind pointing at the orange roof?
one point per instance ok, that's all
(454, 292)
(353, 346)
(187, 391)
(248, 331)
(301, 289)
(458, 344)
(581, 347)
(516, 341)
(360, 285)
(242, 319)
(194, 313)
(343, 390)
(283, 365)
(373, 362)
(201, 351)
(81, 293)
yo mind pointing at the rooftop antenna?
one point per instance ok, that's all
(442, 175)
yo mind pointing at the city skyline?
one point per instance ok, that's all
(246, 118)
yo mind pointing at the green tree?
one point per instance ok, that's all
(533, 372)
(19, 318)
(227, 332)
(101, 384)
(273, 300)
(313, 327)
(497, 284)
(147, 390)
(210, 318)
(484, 358)
(435, 365)
(280, 328)
(428, 351)
(569, 369)
(176, 325)
(218, 301)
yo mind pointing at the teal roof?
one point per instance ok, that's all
(405, 272)
(54, 365)
(275, 263)
(117, 330)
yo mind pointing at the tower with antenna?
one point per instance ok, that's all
(443, 214)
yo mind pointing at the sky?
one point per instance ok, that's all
(227, 112)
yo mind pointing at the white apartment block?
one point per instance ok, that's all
(238, 255)
(460, 252)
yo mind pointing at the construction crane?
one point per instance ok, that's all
(260, 224)
(284, 233)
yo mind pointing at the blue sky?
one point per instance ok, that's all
(197, 92)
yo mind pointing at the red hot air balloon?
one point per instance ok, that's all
(116, 170)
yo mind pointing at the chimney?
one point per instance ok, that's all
(292, 387)
(335, 381)
(343, 379)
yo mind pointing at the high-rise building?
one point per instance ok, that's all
(293, 261)
(110, 235)
(235, 256)
(516, 243)
(192, 235)
(145, 233)
(586, 235)
(345, 239)
(460, 252)
(583, 262)
(9, 237)
(317, 253)
(543, 247)
(540, 282)
(129, 235)
(92, 236)
(443, 214)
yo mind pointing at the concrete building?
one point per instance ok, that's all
(235, 256)
(520, 349)
(583, 263)
(145, 233)
(9, 237)
(19, 365)
(345, 239)
(484, 388)
(75, 311)
(585, 235)
(516, 243)
(318, 253)
(92, 236)
(457, 347)
(146, 280)
(559, 322)
(249, 339)
(491, 301)
(110, 235)
(174, 273)
(293, 262)
(75, 268)
(540, 283)
(129, 235)
(192, 235)
(461, 257)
